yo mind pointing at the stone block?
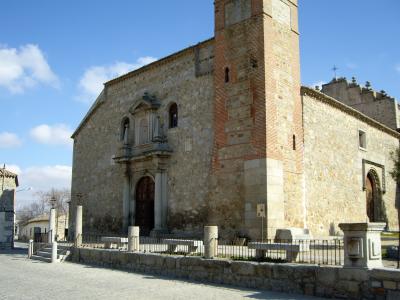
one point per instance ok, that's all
(353, 274)
(390, 285)
(376, 284)
(243, 268)
(393, 295)
(385, 274)
(326, 275)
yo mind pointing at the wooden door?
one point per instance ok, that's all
(370, 199)
(144, 217)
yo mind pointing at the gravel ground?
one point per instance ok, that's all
(21, 278)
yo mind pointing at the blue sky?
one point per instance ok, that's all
(55, 54)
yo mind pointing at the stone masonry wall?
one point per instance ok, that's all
(7, 219)
(322, 281)
(184, 78)
(334, 168)
(377, 105)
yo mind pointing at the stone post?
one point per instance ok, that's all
(78, 226)
(210, 241)
(362, 244)
(30, 249)
(125, 201)
(133, 238)
(54, 252)
(158, 202)
(164, 193)
(52, 226)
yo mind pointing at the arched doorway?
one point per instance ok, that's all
(369, 188)
(144, 213)
(373, 197)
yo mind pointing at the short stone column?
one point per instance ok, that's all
(52, 226)
(125, 201)
(210, 241)
(54, 256)
(78, 226)
(133, 238)
(30, 249)
(158, 202)
(362, 244)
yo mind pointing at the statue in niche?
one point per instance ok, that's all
(126, 133)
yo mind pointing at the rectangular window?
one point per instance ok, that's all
(362, 139)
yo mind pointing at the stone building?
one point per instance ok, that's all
(8, 184)
(205, 135)
(38, 227)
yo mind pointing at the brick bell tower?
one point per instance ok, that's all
(258, 136)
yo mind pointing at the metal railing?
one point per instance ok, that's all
(322, 252)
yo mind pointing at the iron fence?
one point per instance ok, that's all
(322, 252)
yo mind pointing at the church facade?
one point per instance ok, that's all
(206, 135)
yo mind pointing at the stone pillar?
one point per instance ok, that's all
(362, 244)
(126, 200)
(164, 213)
(30, 249)
(54, 252)
(158, 202)
(52, 226)
(133, 238)
(210, 241)
(78, 226)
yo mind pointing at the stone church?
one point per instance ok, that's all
(205, 135)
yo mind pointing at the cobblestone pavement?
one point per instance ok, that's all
(21, 278)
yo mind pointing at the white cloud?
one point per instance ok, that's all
(318, 83)
(24, 68)
(91, 83)
(9, 140)
(40, 178)
(59, 134)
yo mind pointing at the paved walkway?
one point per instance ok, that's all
(21, 278)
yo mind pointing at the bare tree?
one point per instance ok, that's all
(42, 204)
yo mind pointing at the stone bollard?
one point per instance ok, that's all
(54, 252)
(30, 249)
(362, 244)
(78, 226)
(133, 238)
(210, 241)
(52, 225)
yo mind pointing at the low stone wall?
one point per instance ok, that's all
(323, 281)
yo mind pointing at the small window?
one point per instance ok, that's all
(173, 116)
(227, 75)
(294, 142)
(362, 139)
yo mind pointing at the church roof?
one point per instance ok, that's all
(7, 174)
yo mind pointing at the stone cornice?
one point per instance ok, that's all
(160, 62)
(347, 109)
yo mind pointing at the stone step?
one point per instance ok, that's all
(41, 258)
(44, 254)
(49, 250)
